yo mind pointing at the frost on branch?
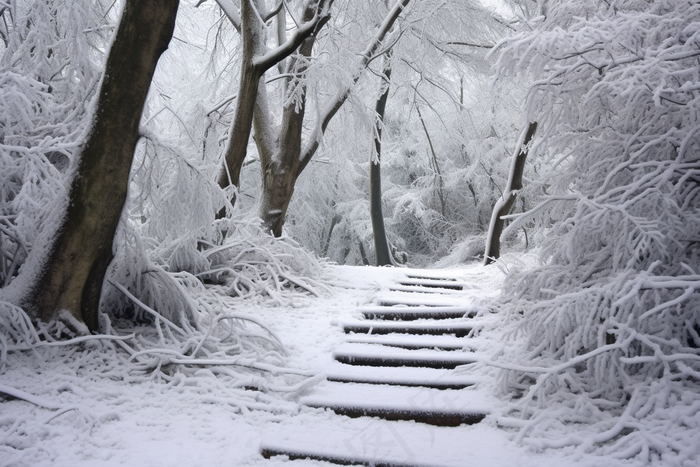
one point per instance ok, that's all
(49, 62)
(606, 353)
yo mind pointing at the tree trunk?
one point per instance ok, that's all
(281, 165)
(253, 36)
(72, 276)
(381, 245)
(433, 160)
(506, 201)
(255, 61)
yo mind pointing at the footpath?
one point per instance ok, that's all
(405, 371)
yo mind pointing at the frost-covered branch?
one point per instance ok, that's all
(612, 91)
(334, 105)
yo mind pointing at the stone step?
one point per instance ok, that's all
(422, 405)
(399, 376)
(410, 313)
(420, 289)
(377, 442)
(379, 355)
(430, 277)
(429, 417)
(294, 453)
(448, 343)
(433, 283)
(404, 299)
(458, 329)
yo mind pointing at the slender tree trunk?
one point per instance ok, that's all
(507, 199)
(363, 253)
(253, 36)
(434, 164)
(381, 245)
(337, 218)
(72, 276)
(281, 165)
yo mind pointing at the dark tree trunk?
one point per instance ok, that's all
(72, 276)
(381, 245)
(280, 170)
(506, 201)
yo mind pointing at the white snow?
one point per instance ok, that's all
(337, 371)
(381, 396)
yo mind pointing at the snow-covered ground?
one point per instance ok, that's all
(89, 412)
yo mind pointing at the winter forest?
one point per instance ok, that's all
(190, 188)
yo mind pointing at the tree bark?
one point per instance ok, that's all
(72, 276)
(381, 245)
(253, 36)
(282, 165)
(506, 201)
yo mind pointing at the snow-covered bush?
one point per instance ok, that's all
(49, 69)
(607, 330)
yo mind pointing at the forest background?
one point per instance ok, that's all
(607, 325)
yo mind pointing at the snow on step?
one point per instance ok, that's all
(379, 355)
(408, 313)
(424, 405)
(424, 377)
(458, 328)
(422, 289)
(427, 276)
(414, 341)
(294, 453)
(412, 299)
(434, 283)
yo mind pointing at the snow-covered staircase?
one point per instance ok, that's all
(398, 364)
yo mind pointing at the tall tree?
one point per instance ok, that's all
(381, 244)
(72, 274)
(290, 156)
(283, 152)
(256, 59)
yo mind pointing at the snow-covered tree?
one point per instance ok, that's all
(608, 328)
(285, 148)
(446, 139)
(68, 139)
(256, 58)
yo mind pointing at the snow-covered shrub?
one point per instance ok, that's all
(607, 344)
(49, 69)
